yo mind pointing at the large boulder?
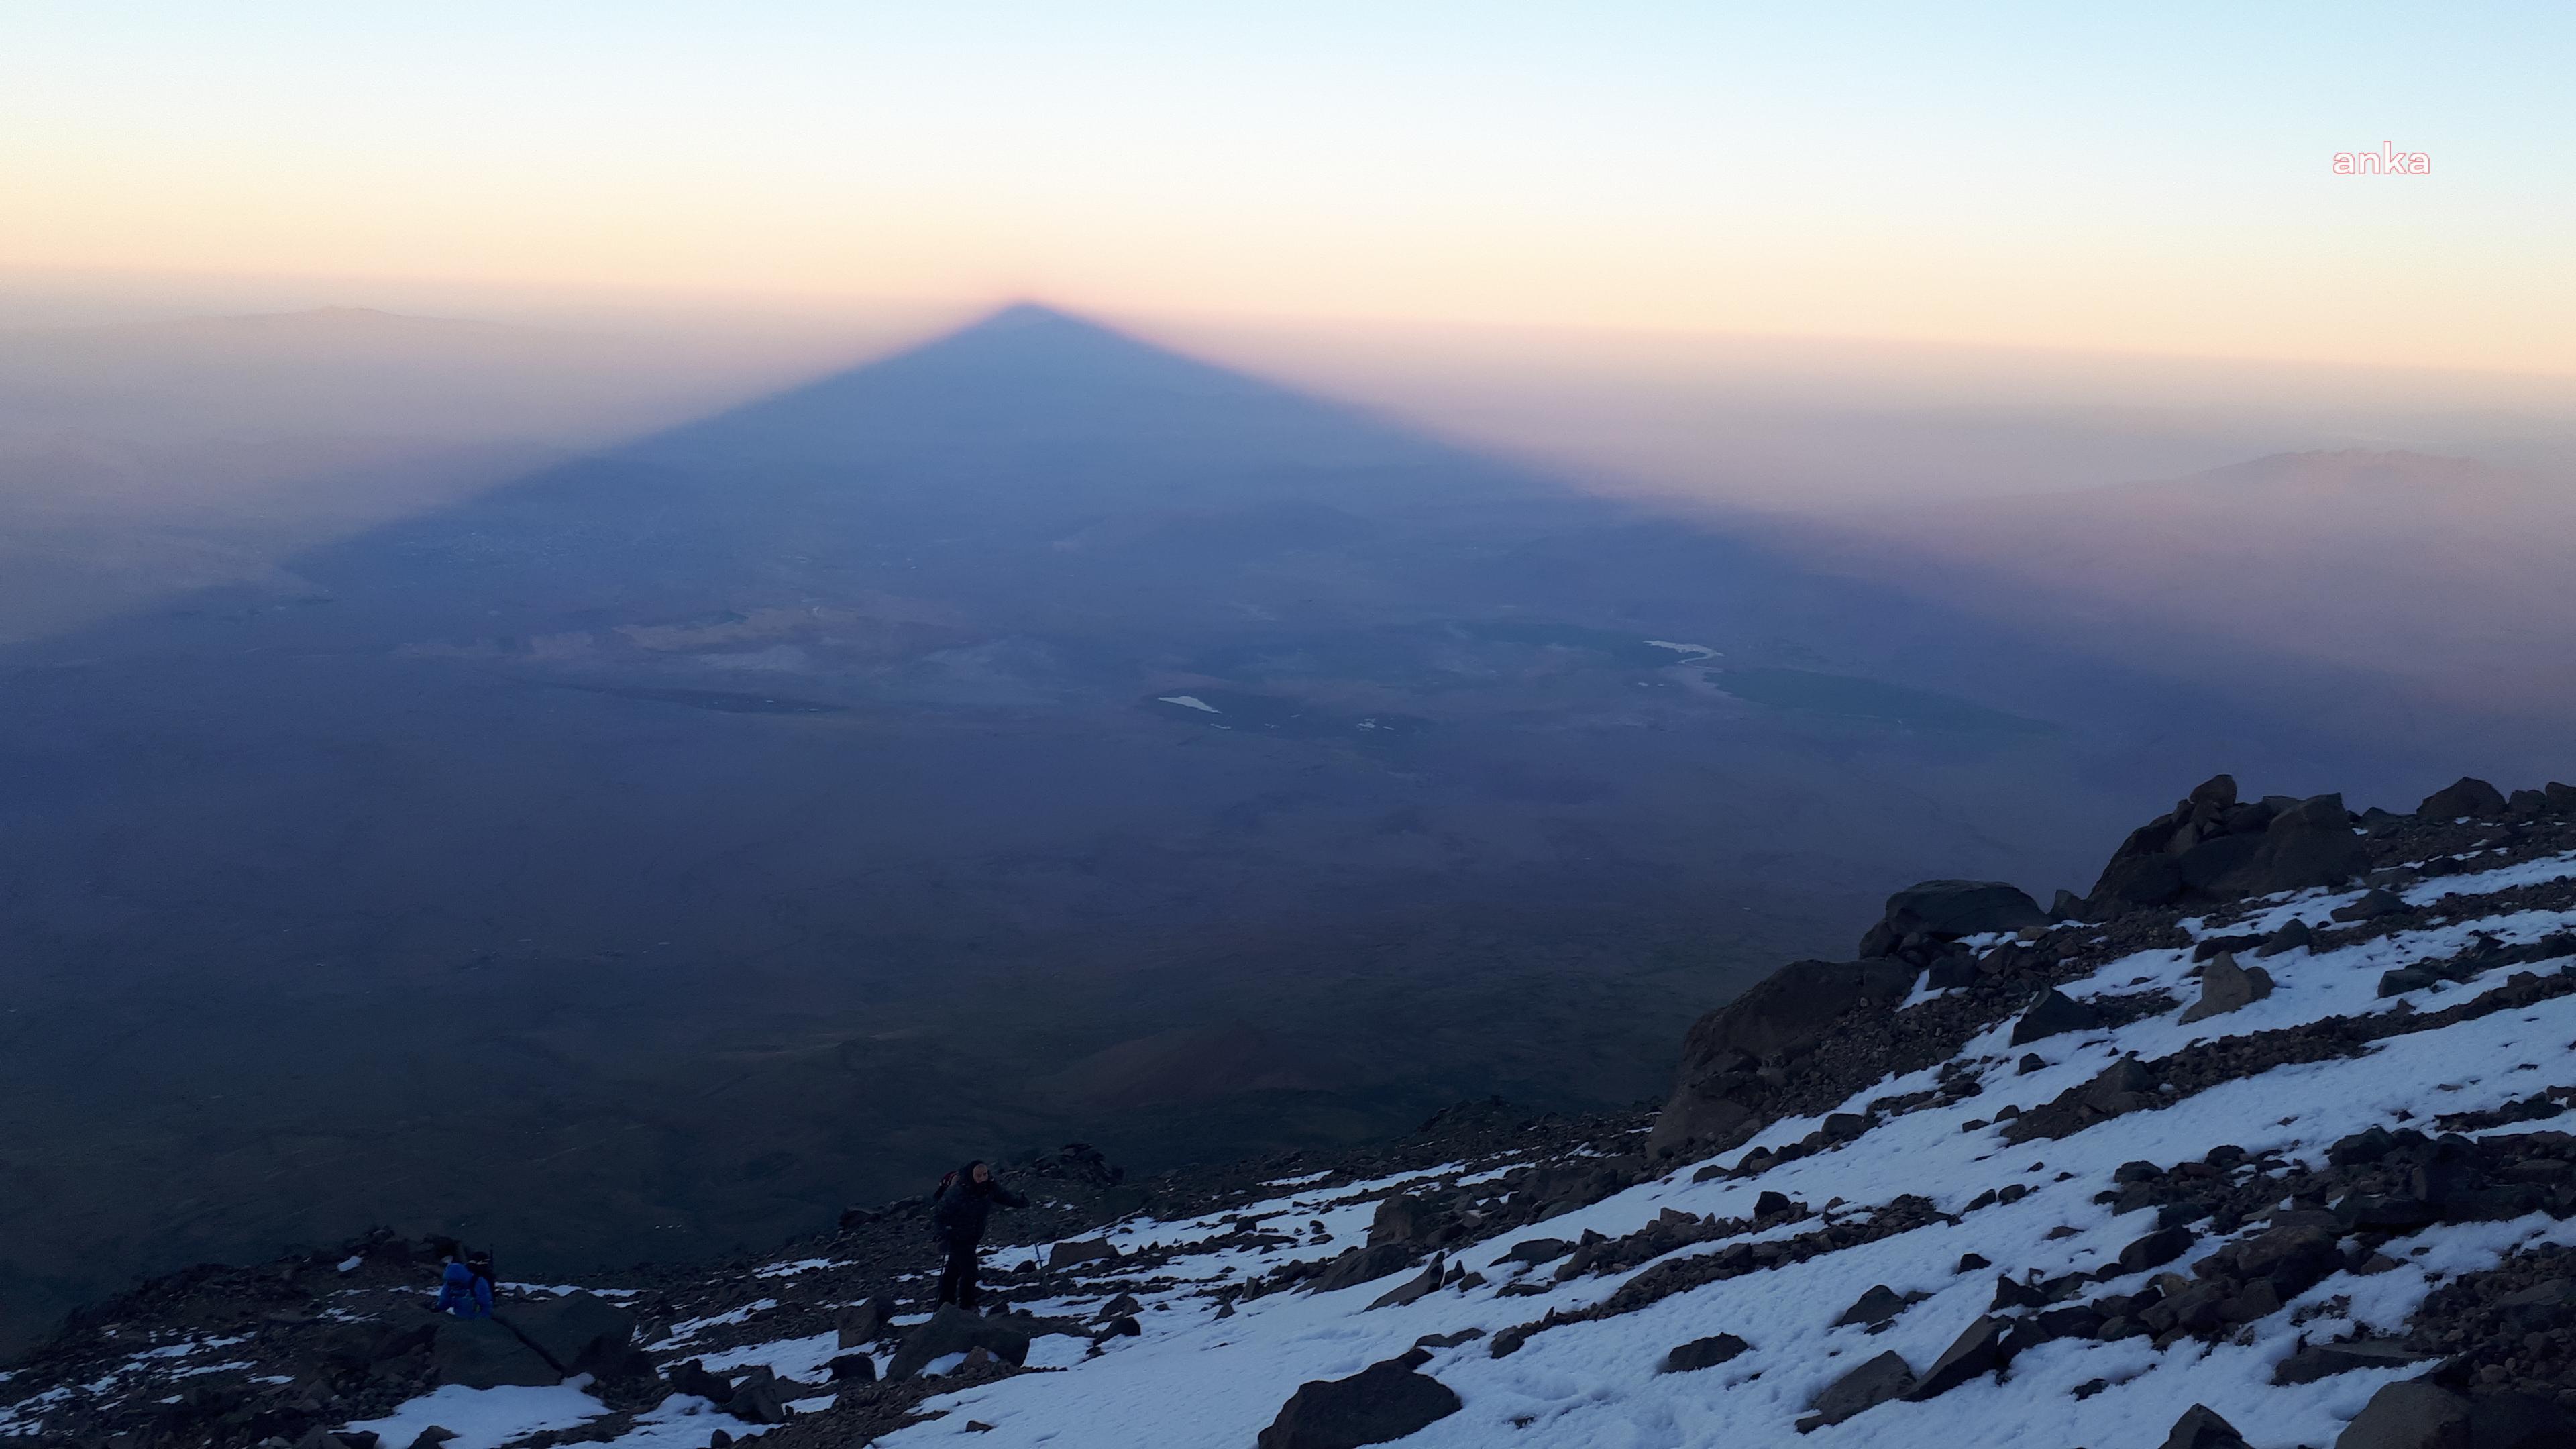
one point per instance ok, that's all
(579, 1333)
(1951, 909)
(2463, 797)
(2054, 1013)
(1361, 1265)
(1378, 1405)
(2226, 986)
(1976, 1352)
(1702, 1353)
(2200, 1427)
(2418, 1414)
(1866, 1387)
(758, 1399)
(954, 1330)
(2156, 1249)
(2212, 848)
(1402, 1219)
(1878, 1306)
(1413, 1290)
(860, 1324)
(1535, 1251)
(2311, 845)
(692, 1378)
(2411, 1414)
(1565, 1186)
(1716, 1097)
(482, 1353)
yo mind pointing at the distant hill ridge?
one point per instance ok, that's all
(2439, 578)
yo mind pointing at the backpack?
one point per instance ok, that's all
(938, 1219)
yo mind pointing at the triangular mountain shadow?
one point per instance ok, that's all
(1033, 461)
(1028, 370)
(1029, 442)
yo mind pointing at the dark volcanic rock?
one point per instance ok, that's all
(954, 1330)
(579, 1332)
(2207, 850)
(1950, 909)
(481, 1353)
(1712, 1103)
(2156, 1249)
(2374, 903)
(1874, 1383)
(1975, 1352)
(2312, 845)
(2465, 797)
(2409, 1415)
(1075, 1254)
(2054, 1013)
(2294, 935)
(861, 1324)
(757, 1398)
(1413, 1290)
(2200, 1427)
(2323, 1360)
(1379, 1404)
(1359, 1265)
(692, 1378)
(2226, 986)
(1702, 1353)
(1402, 1219)
(1879, 1305)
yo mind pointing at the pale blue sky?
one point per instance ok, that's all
(2117, 176)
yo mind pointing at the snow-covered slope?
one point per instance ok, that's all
(2032, 1236)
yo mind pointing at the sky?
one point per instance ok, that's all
(2127, 179)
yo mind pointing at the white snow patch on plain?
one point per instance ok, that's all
(1699, 653)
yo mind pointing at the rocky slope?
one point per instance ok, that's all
(2252, 1146)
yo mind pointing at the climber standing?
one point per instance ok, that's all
(957, 1212)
